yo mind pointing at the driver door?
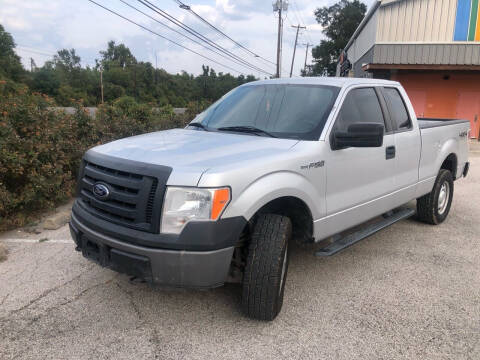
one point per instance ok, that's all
(359, 180)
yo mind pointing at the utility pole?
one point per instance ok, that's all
(156, 67)
(298, 27)
(101, 82)
(33, 66)
(279, 6)
(135, 81)
(306, 56)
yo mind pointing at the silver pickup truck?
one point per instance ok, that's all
(304, 159)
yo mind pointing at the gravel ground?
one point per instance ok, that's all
(411, 291)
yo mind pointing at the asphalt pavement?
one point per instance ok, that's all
(411, 291)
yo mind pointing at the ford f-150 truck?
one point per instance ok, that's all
(274, 160)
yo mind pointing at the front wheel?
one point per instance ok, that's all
(434, 207)
(266, 267)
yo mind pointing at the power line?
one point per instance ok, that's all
(186, 36)
(291, 24)
(163, 37)
(296, 14)
(198, 35)
(86, 60)
(187, 7)
(297, 11)
(24, 48)
(31, 50)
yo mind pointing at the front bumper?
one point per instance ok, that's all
(169, 267)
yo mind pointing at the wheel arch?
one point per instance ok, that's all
(450, 163)
(297, 211)
(288, 194)
(447, 157)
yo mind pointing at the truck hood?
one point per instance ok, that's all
(194, 151)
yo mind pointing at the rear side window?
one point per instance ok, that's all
(360, 106)
(398, 110)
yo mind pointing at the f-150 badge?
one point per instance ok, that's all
(313, 165)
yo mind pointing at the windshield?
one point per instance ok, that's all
(286, 111)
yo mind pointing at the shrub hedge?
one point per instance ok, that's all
(41, 148)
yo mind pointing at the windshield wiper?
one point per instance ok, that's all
(198, 125)
(246, 129)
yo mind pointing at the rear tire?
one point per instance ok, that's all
(266, 267)
(434, 207)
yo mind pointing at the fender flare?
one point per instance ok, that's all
(449, 147)
(279, 184)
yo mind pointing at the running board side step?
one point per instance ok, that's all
(350, 239)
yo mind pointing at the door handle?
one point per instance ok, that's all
(390, 152)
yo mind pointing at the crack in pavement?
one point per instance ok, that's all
(22, 329)
(49, 291)
(35, 267)
(133, 305)
(154, 338)
(4, 299)
(83, 292)
(70, 301)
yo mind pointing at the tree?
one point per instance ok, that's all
(339, 22)
(117, 55)
(10, 65)
(67, 60)
(67, 82)
(45, 80)
(68, 68)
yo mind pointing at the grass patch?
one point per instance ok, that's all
(43, 240)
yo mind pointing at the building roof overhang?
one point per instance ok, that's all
(388, 2)
(427, 54)
(434, 67)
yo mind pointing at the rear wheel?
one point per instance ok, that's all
(266, 267)
(434, 207)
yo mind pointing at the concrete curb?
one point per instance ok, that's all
(57, 221)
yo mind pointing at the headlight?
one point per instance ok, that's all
(184, 204)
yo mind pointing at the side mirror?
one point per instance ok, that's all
(359, 135)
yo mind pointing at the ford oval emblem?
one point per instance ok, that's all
(101, 191)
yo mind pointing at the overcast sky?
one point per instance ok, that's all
(40, 28)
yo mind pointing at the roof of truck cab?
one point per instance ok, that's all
(332, 81)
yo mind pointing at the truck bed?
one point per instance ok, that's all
(426, 123)
(441, 137)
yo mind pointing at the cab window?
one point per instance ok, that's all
(398, 110)
(360, 106)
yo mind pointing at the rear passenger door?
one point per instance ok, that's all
(359, 176)
(407, 144)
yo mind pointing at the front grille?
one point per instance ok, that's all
(131, 201)
(151, 199)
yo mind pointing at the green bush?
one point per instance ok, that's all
(41, 148)
(39, 152)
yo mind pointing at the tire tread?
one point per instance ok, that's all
(261, 299)
(426, 205)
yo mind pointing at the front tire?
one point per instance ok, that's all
(266, 267)
(434, 207)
